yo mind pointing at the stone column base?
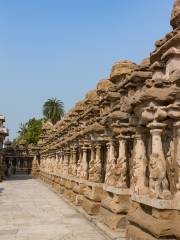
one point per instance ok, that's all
(113, 220)
(90, 206)
(158, 223)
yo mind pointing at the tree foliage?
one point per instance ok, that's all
(29, 132)
(53, 110)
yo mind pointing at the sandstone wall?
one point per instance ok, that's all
(117, 152)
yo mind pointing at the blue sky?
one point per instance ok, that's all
(62, 48)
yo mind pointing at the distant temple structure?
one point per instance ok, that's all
(18, 158)
(3, 133)
(116, 153)
(14, 159)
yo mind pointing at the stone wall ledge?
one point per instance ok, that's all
(173, 204)
(115, 190)
(75, 179)
(108, 188)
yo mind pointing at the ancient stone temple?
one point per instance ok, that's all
(17, 157)
(3, 134)
(116, 153)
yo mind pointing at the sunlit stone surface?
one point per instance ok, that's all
(116, 153)
(30, 211)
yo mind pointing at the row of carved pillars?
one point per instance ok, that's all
(156, 182)
(94, 162)
(87, 162)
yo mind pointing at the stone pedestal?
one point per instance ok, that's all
(78, 193)
(147, 222)
(112, 220)
(114, 207)
(68, 190)
(92, 198)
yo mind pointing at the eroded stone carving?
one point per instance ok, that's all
(123, 140)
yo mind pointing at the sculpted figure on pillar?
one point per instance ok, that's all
(70, 164)
(121, 166)
(97, 166)
(158, 181)
(139, 165)
(154, 115)
(92, 163)
(84, 172)
(177, 158)
(74, 159)
(110, 178)
(66, 161)
(139, 107)
(61, 160)
(79, 163)
(173, 111)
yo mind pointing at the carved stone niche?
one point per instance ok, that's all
(172, 59)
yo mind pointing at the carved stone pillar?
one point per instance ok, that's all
(56, 163)
(74, 158)
(84, 173)
(66, 162)
(158, 183)
(108, 163)
(70, 165)
(98, 164)
(121, 167)
(79, 162)
(61, 160)
(91, 163)
(34, 162)
(177, 156)
(139, 165)
(110, 168)
(48, 167)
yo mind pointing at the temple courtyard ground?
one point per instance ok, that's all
(31, 211)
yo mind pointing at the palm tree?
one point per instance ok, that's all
(53, 110)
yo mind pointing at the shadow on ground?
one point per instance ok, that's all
(19, 177)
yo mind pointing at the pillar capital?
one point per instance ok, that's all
(84, 148)
(156, 125)
(98, 145)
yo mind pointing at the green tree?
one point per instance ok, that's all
(53, 110)
(29, 132)
(22, 129)
(34, 129)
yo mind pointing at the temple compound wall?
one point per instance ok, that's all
(117, 152)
